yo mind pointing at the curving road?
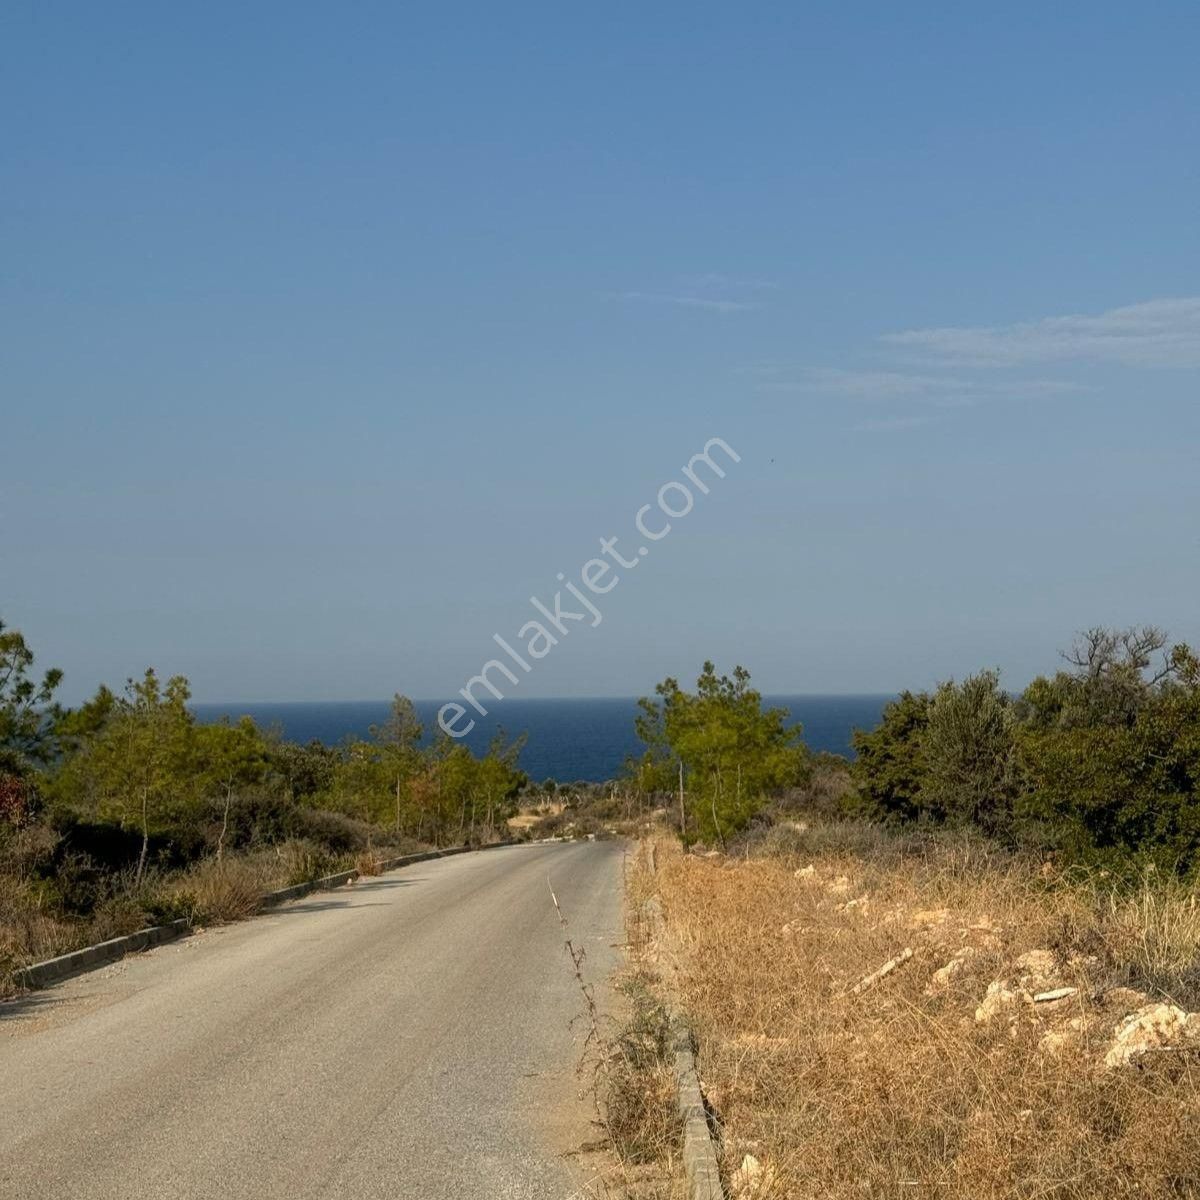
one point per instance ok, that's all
(409, 1036)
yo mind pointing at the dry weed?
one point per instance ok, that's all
(984, 1078)
(219, 890)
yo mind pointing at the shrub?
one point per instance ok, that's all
(635, 1085)
(215, 891)
(1112, 792)
(302, 862)
(890, 764)
(969, 752)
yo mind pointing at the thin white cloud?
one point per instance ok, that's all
(1158, 333)
(711, 303)
(896, 385)
(890, 424)
(711, 292)
(713, 279)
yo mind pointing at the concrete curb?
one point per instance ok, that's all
(40, 975)
(700, 1163)
(699, 1150)
(300, 890)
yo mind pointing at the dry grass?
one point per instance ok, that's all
(368, 863)
(216, 891)
(627, 1065)
(900, 1090)
(34, 925)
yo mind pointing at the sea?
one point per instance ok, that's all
(571, 740)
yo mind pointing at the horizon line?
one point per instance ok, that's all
(525, 699)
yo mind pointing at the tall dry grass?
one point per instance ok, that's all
(898, 1089)
(35, 924)
(215, 891)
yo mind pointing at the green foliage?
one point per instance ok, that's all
(1113, 678)
(733, 751)
(230, 761)
(305, 772)
(473, 793)
(440, 793)
(969, 751)
(946, 758)
(889, 767)
(27, 710)
(1099, 762)
(1112, 752)
(135, 760)
(399, 755)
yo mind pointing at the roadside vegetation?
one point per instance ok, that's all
(967, 964)
(127, 811)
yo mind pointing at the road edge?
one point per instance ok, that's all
(701, 1165)
(90, 958)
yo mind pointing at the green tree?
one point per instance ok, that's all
(307, 771)
(134, 758)
(733, 752)
(361, 784)
(399, 743)
(230, 758)
(1111, 749)
(1112, 675)
(499, 780)
(28, 713)
(972, 774)
(889, 766)
(456, 772)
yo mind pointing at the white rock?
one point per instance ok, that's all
(1039, 964)
(1152, 1027)
(888, 967)
(1054, 994)
(998, 1000)
(943, 975)
(752, 1178)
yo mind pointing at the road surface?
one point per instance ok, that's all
(408, 1036)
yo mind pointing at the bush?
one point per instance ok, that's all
(1098, 764)
(215, 891)
(889, 767)
(969, 753)
(301, 862)
(636, 1087)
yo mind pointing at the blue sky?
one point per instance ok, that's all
(332, 333)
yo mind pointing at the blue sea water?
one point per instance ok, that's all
(568, 740)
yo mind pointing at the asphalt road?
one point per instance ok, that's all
(408, 1036)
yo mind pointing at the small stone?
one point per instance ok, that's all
(1152, 1027)
(1054, 994)
(1053, 1044)
(943, 975)
(752, 1178)
(888, 967)
(1040, 964)
(926, 917)
(1000, 999)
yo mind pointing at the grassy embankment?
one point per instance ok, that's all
(57, 896)
(906, 1015)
